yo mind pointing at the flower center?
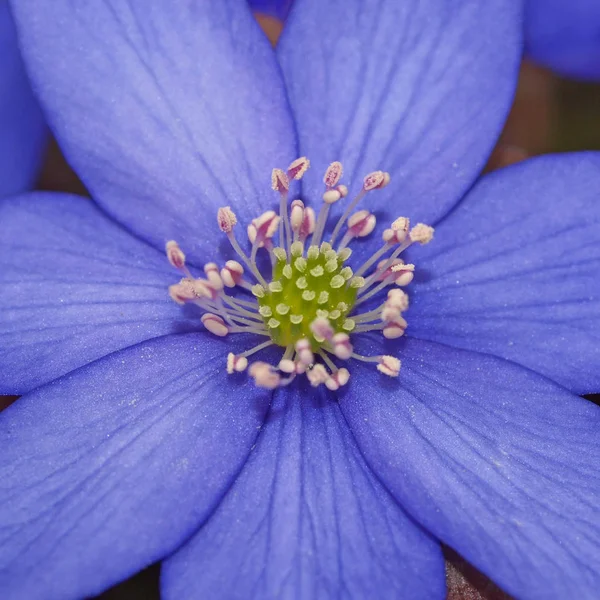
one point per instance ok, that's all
(310, 304)
(307, 289)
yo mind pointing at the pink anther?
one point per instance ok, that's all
(226, 219)
(361, 223)
(376, 180)
(421, 233)
(174, 254)
(395, 329)
(342, 347)
(236, 363)
(333, 174)
(266, 225)
(389, 271)
(232, 273)
(322, 329)
(303, 349)
(214, 324)
(182, 292)
(337, 380)
(297, 169)
(389, 365)
(279, 181)
(264, 375)
(308, 223)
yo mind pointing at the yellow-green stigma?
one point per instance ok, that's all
(306, 286)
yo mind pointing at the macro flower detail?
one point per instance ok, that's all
(308, 307)
(22, 129)
(564, 35)
(131, 443)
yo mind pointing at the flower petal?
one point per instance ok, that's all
(22, 129)
(74, 286)
(166, 111)
(564, 35)
(417, 88)
(274, 8)
(496, 461)
(306, 519)
(515, 270)
(108, 469)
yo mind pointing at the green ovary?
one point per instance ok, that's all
(304, 287)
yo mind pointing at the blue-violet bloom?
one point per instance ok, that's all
(332, 477)
(564, 35)
(22, 129)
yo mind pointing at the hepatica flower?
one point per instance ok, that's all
(270, 433)
(564, 35)
(22, 129)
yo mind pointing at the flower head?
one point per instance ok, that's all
(138, 436)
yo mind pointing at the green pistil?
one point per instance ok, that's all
(304, 287)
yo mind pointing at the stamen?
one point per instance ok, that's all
(298, 168)
(264, 375)
(306, 304)
(373, 181)
(176, 257)
(214, 324)
(389, 365)
(231, 273)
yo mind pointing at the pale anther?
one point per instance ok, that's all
(304, 352)
(174, 254)
(297, 169)
(232, 273)
(214, 324)
(226, 219)
(342, 347)
(333, 174)
(264, 375)
(421, 233)
(279, 181)
(236, 363)
(389, 365)
(321, 327)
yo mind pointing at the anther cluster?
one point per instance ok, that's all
(309, 302)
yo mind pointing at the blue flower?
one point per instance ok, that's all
(22, 130)
(132, 444)
(564, 35)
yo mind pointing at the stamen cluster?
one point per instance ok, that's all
(307, 305)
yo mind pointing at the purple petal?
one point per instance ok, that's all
(74, 286)
(274, 8)
(22, 129)
(111, 468)
(564, 35)
(306, 519)
(166, 111)
(417, 88)
(496, 461)
(515, 270)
